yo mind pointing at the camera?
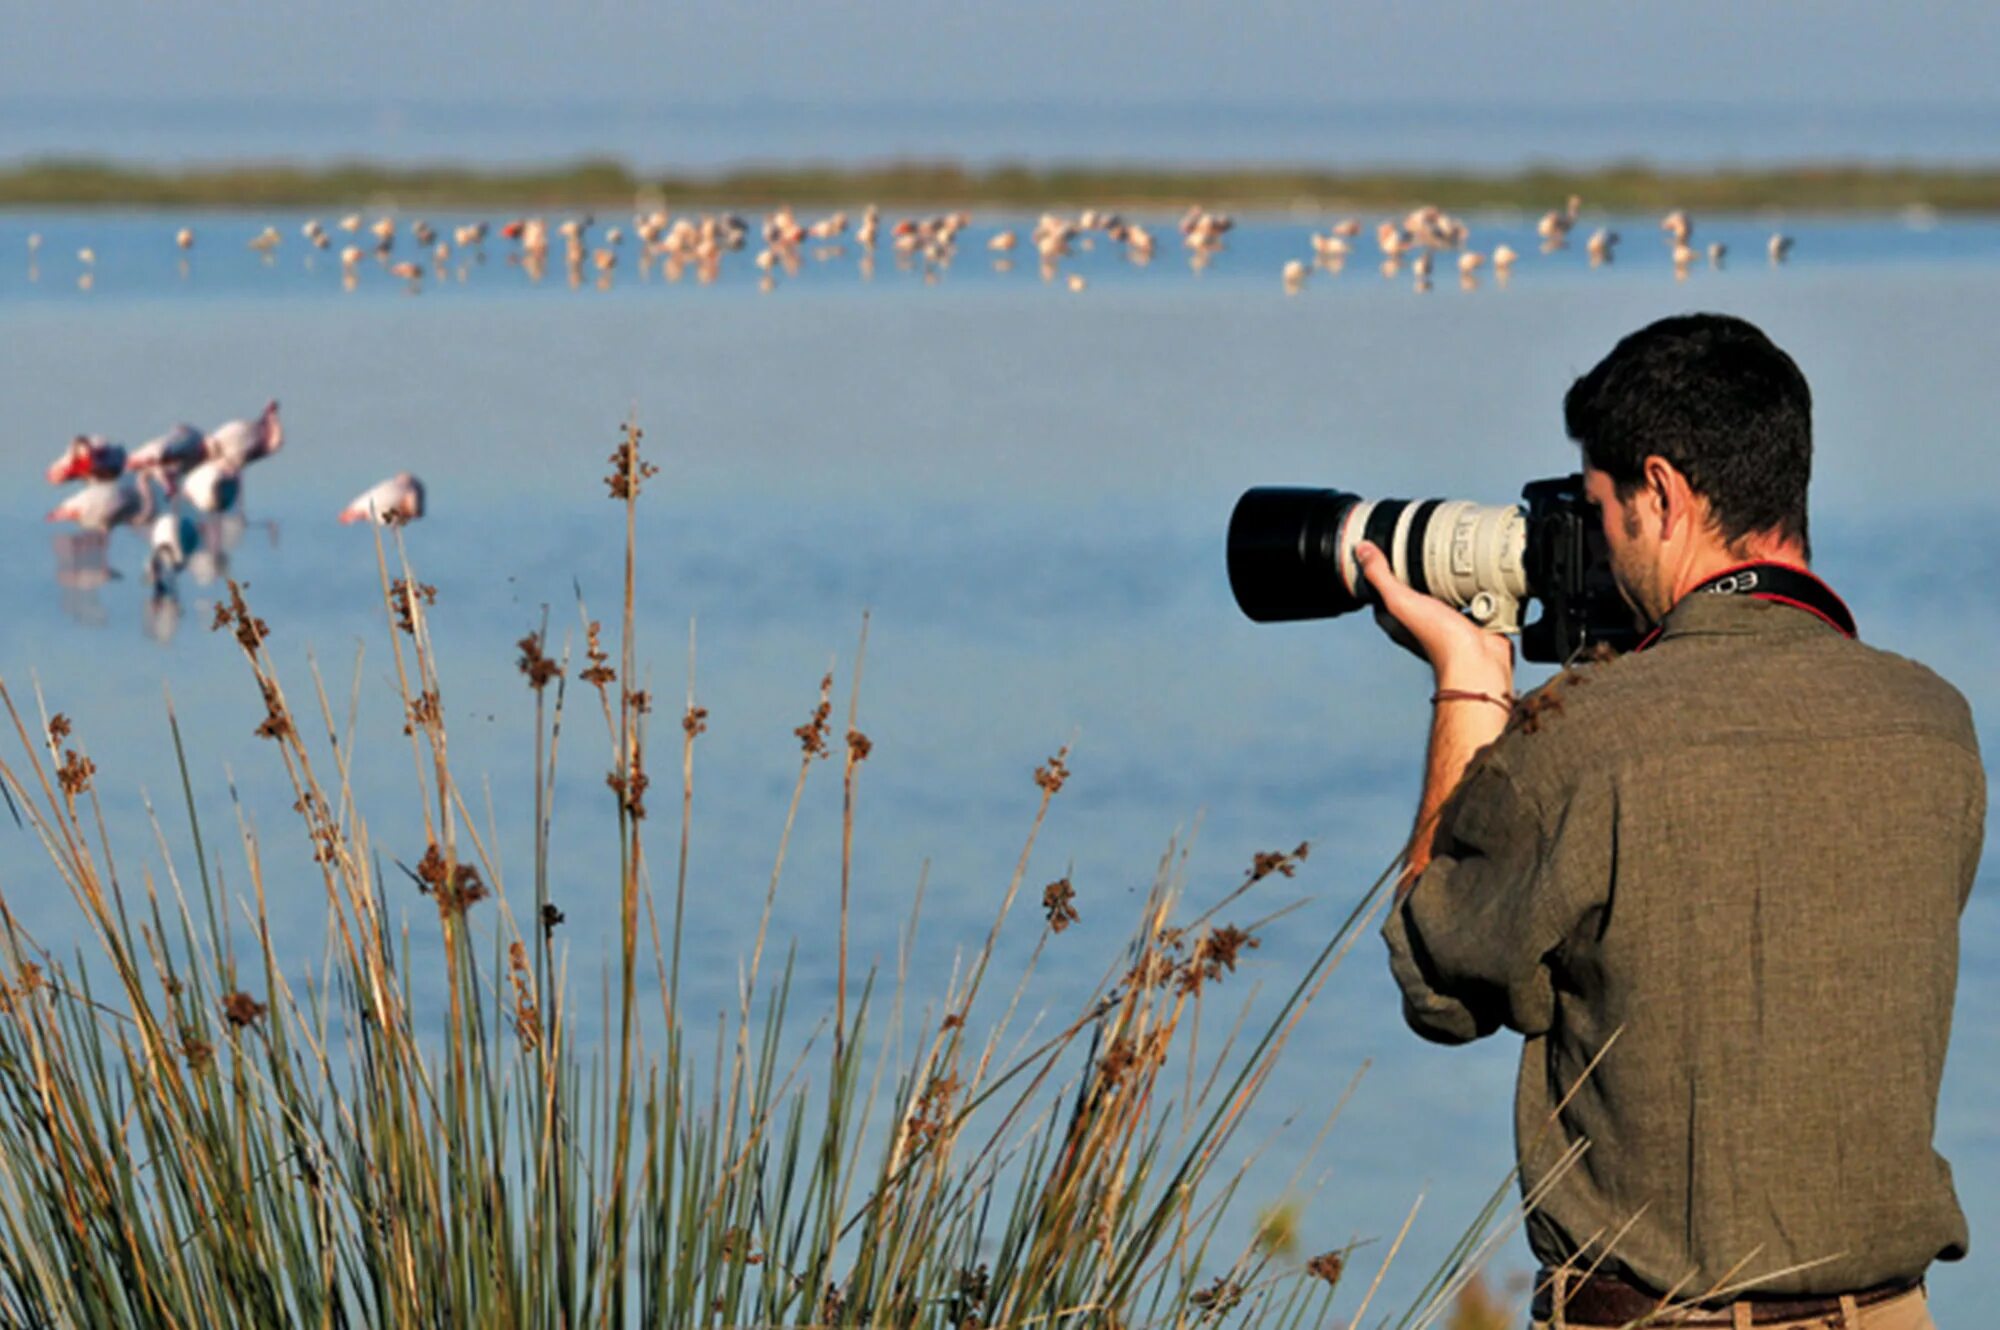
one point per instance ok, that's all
(1292, 555)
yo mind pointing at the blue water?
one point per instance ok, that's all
(1026, 488)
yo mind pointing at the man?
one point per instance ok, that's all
(1715, 882)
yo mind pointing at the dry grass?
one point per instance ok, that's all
(190, 1135)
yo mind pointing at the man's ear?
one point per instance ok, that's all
(1672, 495)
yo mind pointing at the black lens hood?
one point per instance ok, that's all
(1284, 554)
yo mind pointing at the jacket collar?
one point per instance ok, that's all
(1698, 614)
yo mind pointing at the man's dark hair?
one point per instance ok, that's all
(1712, 395)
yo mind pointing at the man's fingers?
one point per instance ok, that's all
(1389, 589)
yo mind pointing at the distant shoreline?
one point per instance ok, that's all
(1828, 187)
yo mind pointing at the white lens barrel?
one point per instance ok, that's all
(1474, 558)
(1471, 556)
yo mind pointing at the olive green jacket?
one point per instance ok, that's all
(1741, 854)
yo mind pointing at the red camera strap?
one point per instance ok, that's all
(1783, 583)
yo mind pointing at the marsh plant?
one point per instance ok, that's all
(193, 1135)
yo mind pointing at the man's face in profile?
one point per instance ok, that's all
(1634, 557)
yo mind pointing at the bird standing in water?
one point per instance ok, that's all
(103, 504)
(392, 502)
(241, 442)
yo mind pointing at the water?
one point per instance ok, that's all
(1025, 487)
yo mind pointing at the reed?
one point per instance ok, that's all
(192, 1135)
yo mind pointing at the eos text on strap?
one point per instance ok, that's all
(1781, 582)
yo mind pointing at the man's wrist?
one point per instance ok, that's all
(1498, 682)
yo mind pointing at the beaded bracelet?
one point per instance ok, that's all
(1467, 695)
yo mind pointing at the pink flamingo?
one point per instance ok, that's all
(174, 453)
(103, 504)
(396, 500)
(216, 486)
(241, 442)
(88, 457)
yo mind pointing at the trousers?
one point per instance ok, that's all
(1907, 1311)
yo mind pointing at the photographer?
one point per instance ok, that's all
(1715, 882)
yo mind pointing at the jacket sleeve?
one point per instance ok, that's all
(1470, 945)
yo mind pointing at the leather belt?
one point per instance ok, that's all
(1606, 1300)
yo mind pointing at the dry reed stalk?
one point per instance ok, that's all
(305, 1153)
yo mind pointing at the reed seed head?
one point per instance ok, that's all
(1327, 1266)
(425, 712)
(1214, 955)
(1216, 1301)
(455, 887)
(599, 675)
(536, 665)
(1059, 904)
(74, 774)
(241, 1010)
(812, 734)
(933, 1112)
(251, 631)
(1284, 863)
(628, 471)
(404, 596)
(1051, 774)
(277, 722)
(630, 789)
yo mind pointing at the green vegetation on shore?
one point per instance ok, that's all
(1634, 187)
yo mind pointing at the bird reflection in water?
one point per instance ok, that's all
(206, 553)
(82, 569)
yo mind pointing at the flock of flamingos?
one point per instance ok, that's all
(699, 244)
(184, 489)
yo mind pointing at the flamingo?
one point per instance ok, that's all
(391, 502)
(216, 486)
(103, 504)
(171, 454)
(241, 442)
(88, 457)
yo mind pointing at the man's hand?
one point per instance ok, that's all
(1461, 653)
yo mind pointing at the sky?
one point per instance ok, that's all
(1069, 51)
(123, 58)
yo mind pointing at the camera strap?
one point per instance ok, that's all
(1780, 582)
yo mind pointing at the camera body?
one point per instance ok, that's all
(1292, 555)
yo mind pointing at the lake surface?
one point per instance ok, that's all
(1026, 489)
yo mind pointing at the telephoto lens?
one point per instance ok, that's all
(1292, 553)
